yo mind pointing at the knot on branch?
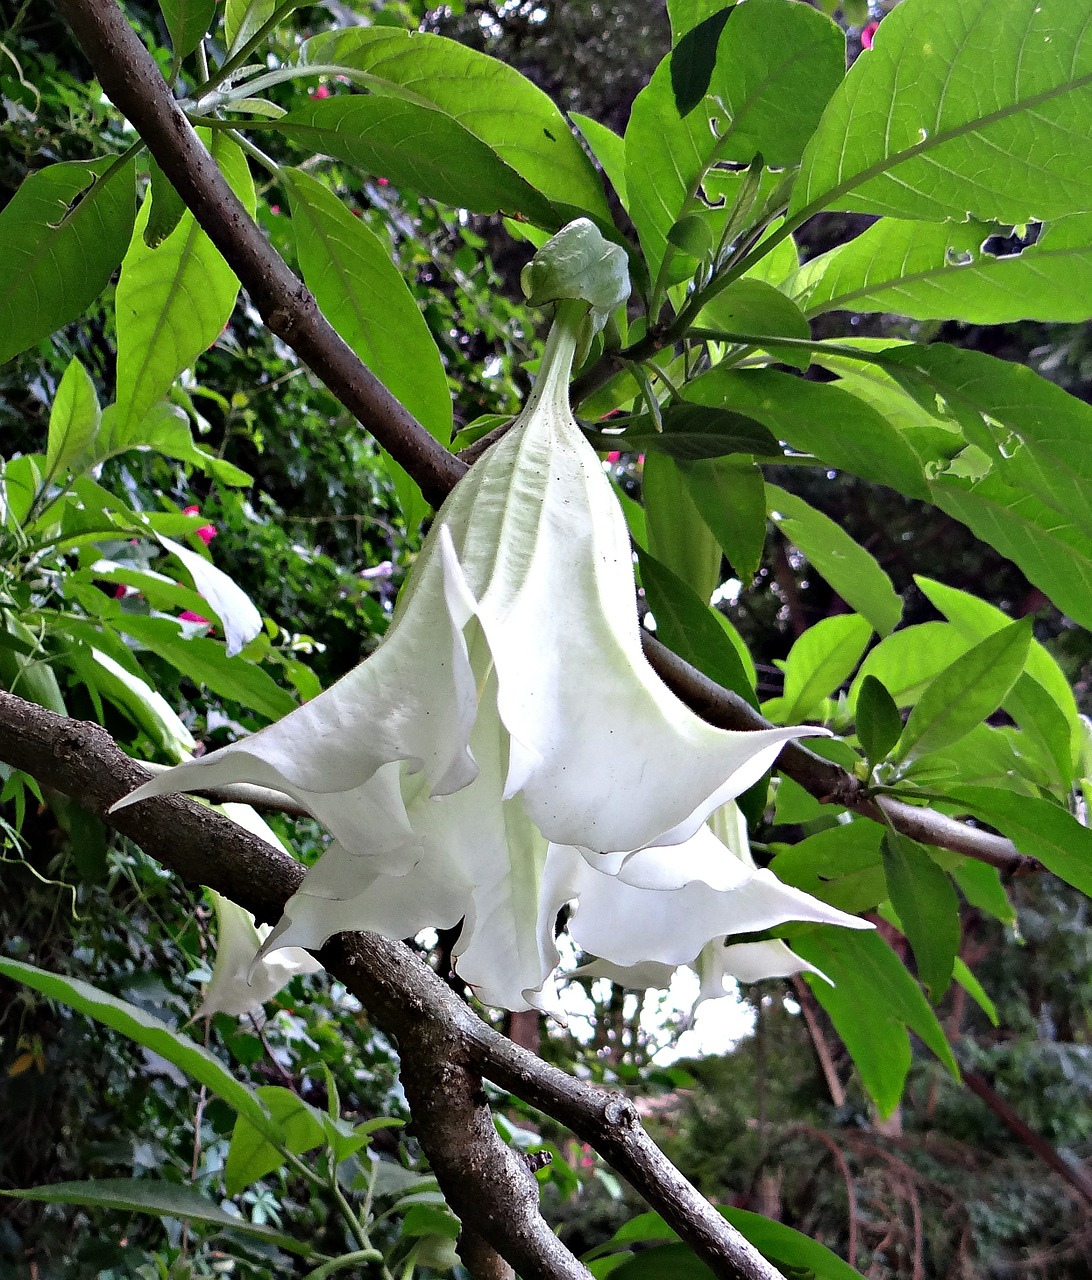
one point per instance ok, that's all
(619, 1112)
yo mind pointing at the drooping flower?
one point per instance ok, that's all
(240, 983)
(749, 900)
(508, 749)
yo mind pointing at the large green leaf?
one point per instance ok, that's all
(820, 660)
(777, 65)
(977, 110)
(1054, 553)
(195, 1060)
(163, 427)
(251, 1155)
(964, 694)
(677, 535)
(873, 1001)
(906, 661)
(974, 619)
(820, 418)
(494, 101)
(1037, 827)
(927, 907)
(688, 626)
(608, 148)
(64, 231)
(416, 146)
(365, 298)
(162, 1199)
(173, 301)
(851, 570)
(1035, 434)
(787, 1248)
(941, 271)
(751, 306)
(730, 496)
(842, 865)
(778, 62)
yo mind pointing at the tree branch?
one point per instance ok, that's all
(829, 782)
(132, 81)
(445, 1048)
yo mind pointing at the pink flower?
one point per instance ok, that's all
(868, 34)
(383, 182)
(188, 615)
(321, 92)
(614, 456)
(207, 531)
(274, 209)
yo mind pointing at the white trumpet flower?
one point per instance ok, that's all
(728, 895)
(508, 733)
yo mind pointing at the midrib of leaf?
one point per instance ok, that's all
(835, 303)
(927, 144)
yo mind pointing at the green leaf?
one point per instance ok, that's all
(162, 1199)
(195, 1060)
(981, 885)
(1051, 550)
(786, 1248)
(1034, 433)
(689, 627)
(167, 207)
(820, 660)
(205, 662)
(418, 147)
(975, 990)
(730, 496)
(73, 419)
(693, 59)
(776, 66)
(165, 428)
(873, 1002)
(493, 101)
(851, 570)
(244, 18)
(1037, 827)
(173, 301)
(677, 535)
(841, 865)
(187, 21)
(693, 432)
(906, 661)
(975, 110)
(820, 418)
(942, 270)
(64, 231)
(750, 306)
(879, 724)
(608, 148)
(966, 693)
(363, 295)
(251, 1155)
(927, 907)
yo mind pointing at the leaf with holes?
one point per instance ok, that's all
(972, 110)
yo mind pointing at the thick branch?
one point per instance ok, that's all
(445, 1048)
(132, 81)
